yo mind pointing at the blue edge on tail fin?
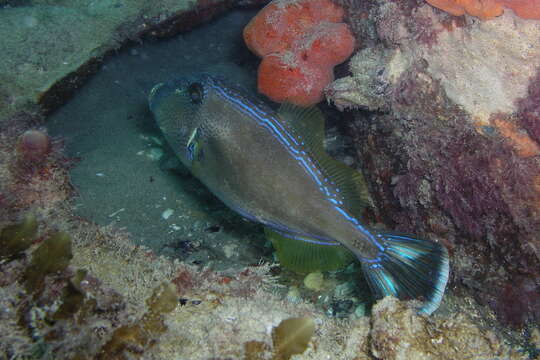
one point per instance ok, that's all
(409, 268)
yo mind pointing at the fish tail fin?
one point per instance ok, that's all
(409, 268)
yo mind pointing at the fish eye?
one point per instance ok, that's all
(195, 91)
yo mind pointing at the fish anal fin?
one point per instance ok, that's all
(305, 256)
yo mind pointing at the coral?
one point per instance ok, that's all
(526, 9)
(488, 9)
(300, 43)
(482, 9)
(281, 23)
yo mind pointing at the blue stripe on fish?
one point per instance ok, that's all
(269, 122)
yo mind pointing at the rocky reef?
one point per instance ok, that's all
(54, 46)
(444, 116)
(448, 139)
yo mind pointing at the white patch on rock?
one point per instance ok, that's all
(486, 66)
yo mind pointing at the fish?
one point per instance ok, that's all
(270, 167)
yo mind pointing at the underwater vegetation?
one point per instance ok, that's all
(448, 142)
(75, 316)
(299, 43)
(440, 159)
(52, 300)
(292, 336)
(136, 338)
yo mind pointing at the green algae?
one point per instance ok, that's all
(292, 336)
(53, 255)
(72, 297)
(256, 350)
(15, 239)
(138, 337)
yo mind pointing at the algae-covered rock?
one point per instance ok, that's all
(398, 333)
(132, 340)
(449, 144)
(476, 62)
(53, 255)
(49, 48)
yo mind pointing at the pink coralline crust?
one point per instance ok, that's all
(419, 25)
(300, 43)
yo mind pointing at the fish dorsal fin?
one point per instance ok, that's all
(307, 122)
(307, 125)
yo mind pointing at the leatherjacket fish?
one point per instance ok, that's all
(270, 167)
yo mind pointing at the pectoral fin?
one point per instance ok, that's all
(194, 149)
(305, 255)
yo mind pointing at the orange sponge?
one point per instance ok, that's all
(287, 77)
(526, 9)
(327, 44)
(300, 42)
(277, 25)
(488, 9)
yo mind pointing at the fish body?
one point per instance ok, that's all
(270, 166)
